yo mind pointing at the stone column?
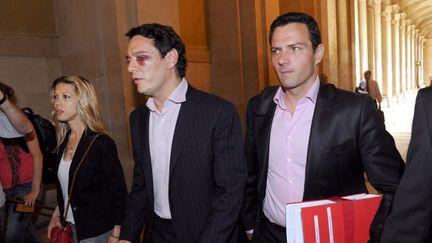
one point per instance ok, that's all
(403, 53)
(378, 43)
(387, 53)
(344, 48)
(427, 60)
(371, 38)
(408, 76)
(396, 51)
(416, 64)
(363, 35)
(421, 52)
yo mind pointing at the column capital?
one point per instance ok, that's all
(387, 12)
(377, 6)
(396, 18)
(395, 8)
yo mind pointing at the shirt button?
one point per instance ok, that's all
(290, 181)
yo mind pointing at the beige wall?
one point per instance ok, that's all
(29, 51)
(35, 17)
(226, 41)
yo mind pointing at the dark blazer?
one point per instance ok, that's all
(347, 138)
(411, 217)
(99, 193)
(207, 172)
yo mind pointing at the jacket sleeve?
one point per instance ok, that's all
(410, 218)
(250, 207)
(117, 184)
(381, 161)
(229, 171)
(134, 219)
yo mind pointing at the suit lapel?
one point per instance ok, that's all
(83, 144)
(321, 123)
(263, 119)
(182, 127)
(144, 147)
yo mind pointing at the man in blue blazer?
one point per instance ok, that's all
(190, 169)
(307, 140)
(410, 220)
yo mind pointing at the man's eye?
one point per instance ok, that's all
(296, 48)
(275, 51)
(141, 59)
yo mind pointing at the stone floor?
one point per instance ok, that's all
(398, 116)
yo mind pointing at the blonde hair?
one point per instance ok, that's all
(88, 106)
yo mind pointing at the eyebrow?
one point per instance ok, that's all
(136, 53)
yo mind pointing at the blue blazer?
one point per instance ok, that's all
(207, 172)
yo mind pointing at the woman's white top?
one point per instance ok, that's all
(63, 176)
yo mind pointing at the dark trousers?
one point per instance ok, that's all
(268, 232)
(163, 231)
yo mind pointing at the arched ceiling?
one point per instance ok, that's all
(420, 12)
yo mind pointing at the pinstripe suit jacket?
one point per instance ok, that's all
(207, 172)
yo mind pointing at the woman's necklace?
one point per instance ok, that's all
(70, 151)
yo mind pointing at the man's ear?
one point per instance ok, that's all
(171, 58)
(319, 53)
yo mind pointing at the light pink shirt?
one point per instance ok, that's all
(289, 140)
(161, 132)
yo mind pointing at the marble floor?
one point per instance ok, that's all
(398, 119)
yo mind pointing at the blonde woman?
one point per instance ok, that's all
(97, 201)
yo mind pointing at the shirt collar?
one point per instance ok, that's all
(311, 95)
(177, 96)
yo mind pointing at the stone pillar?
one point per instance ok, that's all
(396, 51)
(363, 35)
(387, 53)
(427, 60)
(403, 53)
(421, 53)
(378, 43)
(344, 48)
(408, 76)
(371, 38)
(416, 63)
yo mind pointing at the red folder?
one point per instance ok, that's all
(336, 220)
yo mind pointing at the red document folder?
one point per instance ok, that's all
(336, 220)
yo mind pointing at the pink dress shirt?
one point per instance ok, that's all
(289, 141)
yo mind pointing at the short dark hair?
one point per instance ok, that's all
(301, 18)
(164, 39)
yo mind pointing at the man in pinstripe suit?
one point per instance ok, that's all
(190, 169)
